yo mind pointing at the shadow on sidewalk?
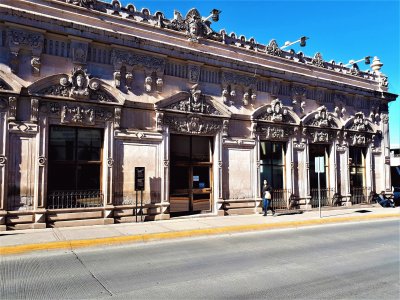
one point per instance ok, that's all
(361, 211)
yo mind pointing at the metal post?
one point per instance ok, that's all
(319, 195)
(141, 205)
(136, 207)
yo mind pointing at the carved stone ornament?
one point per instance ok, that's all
(318, 61)
(117, 117)
(383, 81)
(36, 64)
(355, 70)
(299, 146)
(80, 114)
(79, 53)
(225, 128)
(110, 162)
(84, 3)
(4, 85)
(193, 25)
(3, 160)
(192, 125)
(25, 39)
(276, 113)
(194, 73)
(79, 85)
(12, 108)
(322, 119)
(159, 121)
(320, 137)
(274, 132)
(166, 163)
(22, 127)
(360, 123)
(239, 79)
(120, 57)
(42, 161)
(34, 109)
(359, 139)
(341, 148)
(273, 48)
(385, 118)
(196, 103)
(299, 92)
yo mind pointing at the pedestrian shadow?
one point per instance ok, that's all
(360, 211)
(288, 213)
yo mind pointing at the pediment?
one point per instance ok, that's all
(193, 102)
(321, 118)
(275, 112)
(9, 82)
(360, 123)
(77, 86)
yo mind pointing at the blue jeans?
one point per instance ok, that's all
(266, 204)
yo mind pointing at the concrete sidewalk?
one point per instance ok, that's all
(22, 241)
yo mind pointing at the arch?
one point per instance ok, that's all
(263, 110)
(52, 85)
(307, 119)
(349, 123)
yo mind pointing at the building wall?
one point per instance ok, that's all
(127, 80)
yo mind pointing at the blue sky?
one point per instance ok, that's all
(339, 30)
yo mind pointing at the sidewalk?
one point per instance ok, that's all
(23, 241)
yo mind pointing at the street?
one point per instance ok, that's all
(341, 261)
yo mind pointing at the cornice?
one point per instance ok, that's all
(136, 35)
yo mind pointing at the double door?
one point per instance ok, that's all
(190, 175)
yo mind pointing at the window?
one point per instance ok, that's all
(74, 159)
(319, 151)
(272, 163)
(357, 167)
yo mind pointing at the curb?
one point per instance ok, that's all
(75, 244)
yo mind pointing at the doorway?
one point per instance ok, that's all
(191, 174)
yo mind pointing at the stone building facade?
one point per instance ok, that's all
(90, 90)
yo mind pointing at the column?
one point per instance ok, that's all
(40, 186)
(108, 157)
(3, 165)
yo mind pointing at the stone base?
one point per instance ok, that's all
(87, 222)
(239, 211)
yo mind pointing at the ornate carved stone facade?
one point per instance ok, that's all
(151, 87)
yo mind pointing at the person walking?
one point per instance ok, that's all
(267, 197)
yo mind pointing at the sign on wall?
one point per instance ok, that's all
(139, 178)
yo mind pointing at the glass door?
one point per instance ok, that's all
(190, 177)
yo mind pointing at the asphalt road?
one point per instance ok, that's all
(346, 261)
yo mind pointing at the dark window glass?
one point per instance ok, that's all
(357, 167)
(272, 163)
(74, 158)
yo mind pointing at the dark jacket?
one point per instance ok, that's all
(266, 188)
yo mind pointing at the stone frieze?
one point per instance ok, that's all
(119, 57)
(192, 124)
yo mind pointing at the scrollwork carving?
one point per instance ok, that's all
(192, 124)
(3, 160)
(79, 113)
(119, 57)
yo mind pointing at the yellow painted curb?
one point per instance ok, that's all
(73, 244)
